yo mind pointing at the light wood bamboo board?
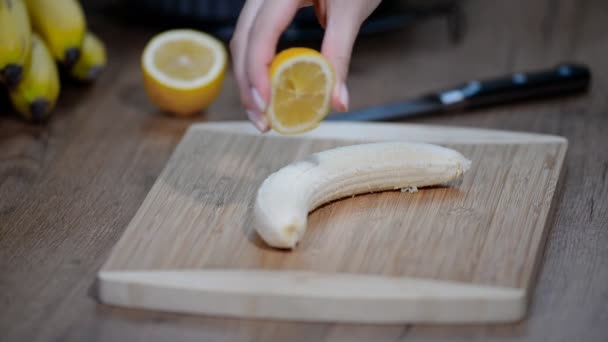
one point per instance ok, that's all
(463, 253)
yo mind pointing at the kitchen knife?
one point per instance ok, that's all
(561, 80)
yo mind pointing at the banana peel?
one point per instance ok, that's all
(34, 98)
(15, 41)
(92, 60)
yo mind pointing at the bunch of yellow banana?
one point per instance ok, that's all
(38, 40)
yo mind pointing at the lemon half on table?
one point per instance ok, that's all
(183, 70)
(302, 81)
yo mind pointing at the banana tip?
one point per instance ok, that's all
(39, 109)
(12, 75)
(71, 56)
(94, 72)
(291, 235)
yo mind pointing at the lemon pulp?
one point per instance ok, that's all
(302, 82)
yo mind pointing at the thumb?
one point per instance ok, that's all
(337, 47)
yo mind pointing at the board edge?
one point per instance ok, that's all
(311, 296)
(380, 131)
(530, 281)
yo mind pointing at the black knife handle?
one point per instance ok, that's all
(565, 78)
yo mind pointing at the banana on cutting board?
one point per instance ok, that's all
(287, 196)
(15, 41)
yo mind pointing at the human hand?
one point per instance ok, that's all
(258, 30)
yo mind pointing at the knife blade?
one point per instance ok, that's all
(565, 78)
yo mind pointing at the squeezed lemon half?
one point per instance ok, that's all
(302, 81)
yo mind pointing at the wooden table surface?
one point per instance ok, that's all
(69, 188)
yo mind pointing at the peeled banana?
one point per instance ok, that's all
(15, 41)
(287, 196)
(62, 24)
(35, 96)
(92, 60)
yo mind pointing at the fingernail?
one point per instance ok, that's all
(258, 120)
(259, 101)
(343, 97)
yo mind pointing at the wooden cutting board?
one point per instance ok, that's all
(463, 253)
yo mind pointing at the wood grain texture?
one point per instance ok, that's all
(487, 229)
(94, 163)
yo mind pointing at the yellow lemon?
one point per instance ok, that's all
(183, 70)
(302, 81)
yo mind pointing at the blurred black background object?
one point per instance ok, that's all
(219, 17)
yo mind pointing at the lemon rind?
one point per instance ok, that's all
(219, 55)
